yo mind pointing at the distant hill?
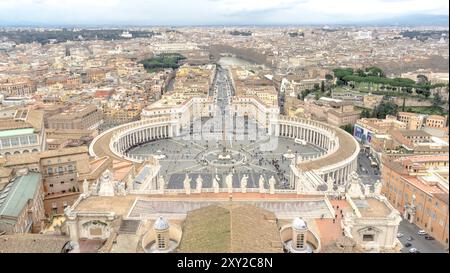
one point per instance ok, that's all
(415, 20)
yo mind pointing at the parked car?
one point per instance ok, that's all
(399, 235)
(408, 244)
(428, 237)
(422, 232)
(413, 250)
(410, 238)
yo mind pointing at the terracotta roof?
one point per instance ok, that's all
(424, 186)
(21, 159)
(442, 197)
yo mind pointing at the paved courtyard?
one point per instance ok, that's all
(225, 143)
(184, 156)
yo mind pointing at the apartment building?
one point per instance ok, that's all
(21, 205)
(17, 86)
(84, 117)
(22, 132)
(436, 121)
(61, 172)
(418, 187)
(413, 121)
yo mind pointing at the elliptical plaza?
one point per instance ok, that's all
(220, 149)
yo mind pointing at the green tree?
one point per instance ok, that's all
(375, 72)
(365, 113)
(421, 79)
(437, 99)
(329, 77)
(317, 95)
(384, 109)
(348, 128)
(360, 72)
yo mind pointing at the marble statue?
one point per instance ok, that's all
(199, 182)
(366, 190)
(121, 189)
(377, 187)
(94, 187)
(106, 184)
(272, 182)
(330, 184)
(261, 184)
(229, 182)
(216, 185)
(187, 184)
(244, 182)
(162, 183)
(86, 187)
(354, 190)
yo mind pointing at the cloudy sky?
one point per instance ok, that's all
(211, 12)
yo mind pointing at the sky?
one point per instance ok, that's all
(212, 12)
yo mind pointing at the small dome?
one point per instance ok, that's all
(299, 224)
(161, 224)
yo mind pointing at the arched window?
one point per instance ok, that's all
(161, 242)
(300, 240)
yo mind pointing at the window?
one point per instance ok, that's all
(49, 170)
(33, 139)
(24, 140)
(62, 182)
(368, 237)
(300, 240)
(14, 141)
(161, 242)
(51, 185)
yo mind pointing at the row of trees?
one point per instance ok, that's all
(375, 75)
(163, 61)
(381, 111)
(317, 89)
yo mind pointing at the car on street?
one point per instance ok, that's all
(399, 235)
(422, 232)
(413, 250)
(408, 244)
(410, 238)
(428, 237)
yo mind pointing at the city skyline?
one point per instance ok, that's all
(222, 12)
